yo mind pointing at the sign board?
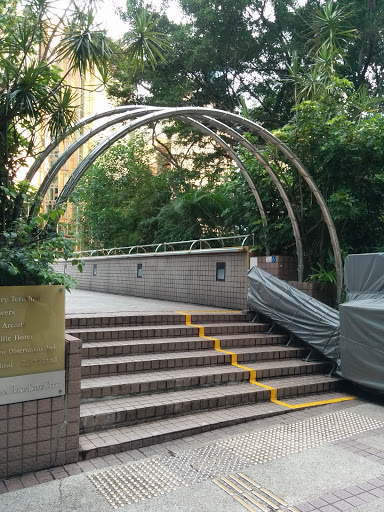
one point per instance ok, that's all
(253, 261)
(32, 343)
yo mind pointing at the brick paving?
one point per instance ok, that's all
(346, 499)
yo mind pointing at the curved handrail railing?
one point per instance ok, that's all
(190, 244)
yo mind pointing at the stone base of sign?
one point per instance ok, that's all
(40, 434)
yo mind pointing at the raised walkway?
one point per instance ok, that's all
(328, 458)
(80, 302)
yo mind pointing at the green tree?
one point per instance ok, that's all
(194, 215)
(340, 143)
(120, 196)
(225, 50)
(320, 57)
(34, 98)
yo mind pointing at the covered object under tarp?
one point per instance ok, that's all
(362, 321)
(305, 317)
(364, 276)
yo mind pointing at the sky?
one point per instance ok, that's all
(116, 27)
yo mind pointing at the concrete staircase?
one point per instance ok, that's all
(152, 378)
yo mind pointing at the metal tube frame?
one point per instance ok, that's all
(146, 115)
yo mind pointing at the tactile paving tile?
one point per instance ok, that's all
(277, 442)
(203, 463)
(131, 483)
(127, 484)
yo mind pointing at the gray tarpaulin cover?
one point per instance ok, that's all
(362, 321)
(307, 318)
(364, 276)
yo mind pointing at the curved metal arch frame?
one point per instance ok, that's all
(83, 122)
(60, 162)
(201, 127)
(291, 214)
(212, 114)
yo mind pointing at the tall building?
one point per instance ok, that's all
(87, 96)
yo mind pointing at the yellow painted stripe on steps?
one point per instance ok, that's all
(223, 311)
(252, 372)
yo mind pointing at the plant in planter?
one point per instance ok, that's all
(29, 248)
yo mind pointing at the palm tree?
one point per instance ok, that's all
(328, 33)
(34, 97)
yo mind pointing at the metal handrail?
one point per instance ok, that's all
(192, 243)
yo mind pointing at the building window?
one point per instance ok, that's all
(139, 272)
(94, 272)
(220, 271)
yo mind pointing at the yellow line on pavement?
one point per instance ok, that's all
(252, 372)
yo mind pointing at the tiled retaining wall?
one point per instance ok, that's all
(187, 277)
(40, 434)
(282, 267)
(181, 277)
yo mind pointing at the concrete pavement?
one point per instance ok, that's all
(80, 302)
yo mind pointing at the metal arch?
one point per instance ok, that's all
(291, 214)
(199, 240)
(224, 127)
(253, 127)
(63, 158)
(137, 247)
(133, 113)
(83, 122)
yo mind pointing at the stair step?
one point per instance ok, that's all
(162, 331)
(99, 444)
(123, 384)
(119, 320)
(150, 378)
(130, 410)
(138, 409)
(126, 347)
(144, 382)
(146, 362)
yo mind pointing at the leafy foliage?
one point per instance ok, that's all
(29, 249)
(35, 100)
(119, 196)
(34, 97)
(310, 70)
(341, 145)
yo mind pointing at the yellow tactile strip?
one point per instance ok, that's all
(251, 495)
(252, 372)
